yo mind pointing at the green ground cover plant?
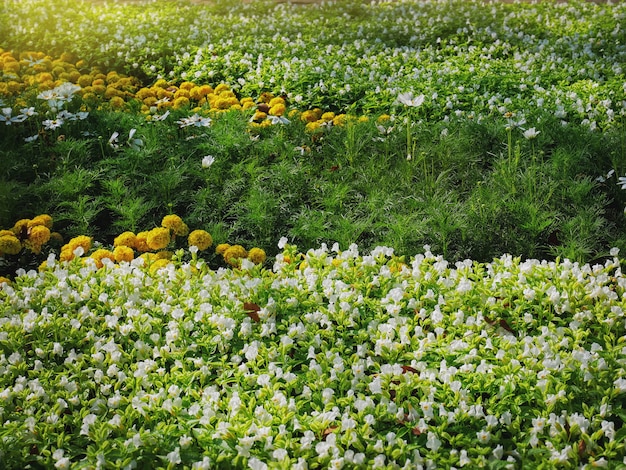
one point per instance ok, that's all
(474, 152)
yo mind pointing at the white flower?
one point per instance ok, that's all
(51, 124)
(207, 161)
(408, 99)
(282, 243)
(531, 133)
(256, 464)
(621, 181)
(174, 456)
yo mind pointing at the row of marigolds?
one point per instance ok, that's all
(31, 235)
(27, 75)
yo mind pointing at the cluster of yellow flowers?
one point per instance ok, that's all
(38, 72)
(28, 234)
(233, 254)
(152, 246)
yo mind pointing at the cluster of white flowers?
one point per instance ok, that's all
(352, 360)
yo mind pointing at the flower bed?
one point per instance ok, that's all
(332, 358)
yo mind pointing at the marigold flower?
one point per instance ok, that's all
(175, 224)
(158, 264)
(66, 255)
(201, 239)
(220, 88)
(4, 280)
(20, 227)
(128, 239)
(82, 241)
(39, 234)
(278, 109)
(116, 102)
(309, 116)
(141, 244)
(234, 254)
(257, 255)
(123, 253)
(158, 238)
(329, 116)
(10, 245)
(100, 254)
(312, 126)
(43, 219)
(221, 248)
(164, 254)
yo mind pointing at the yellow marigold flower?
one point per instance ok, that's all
(128, 239)
(329, 116)
(257, 255)
(84, 80)
(265, 97)
(158, 238)
(100, 254)
(278, 109)
(221, 248)
(43, 219)
(383, 118)
(259, 116)
(10, 245)
(247, 104)
(187, 86)
(200, 238)
(158, 264)
(66, 255)
(309, 116)
(313, 126)
(220, 88)
(123, 253)
(180, 102)
(81, 240)
(39, 235)
(4, 280)
(340, 120)
(275, 101)
(6, 232)
(98, 82)
(160, 83)
(364, 119)
(116, 102)
(180, 93)
(43, 77)
(234, 254)
(144, 93)
(21, 227)
(141, 244)
(43, 266)
(175, 224)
